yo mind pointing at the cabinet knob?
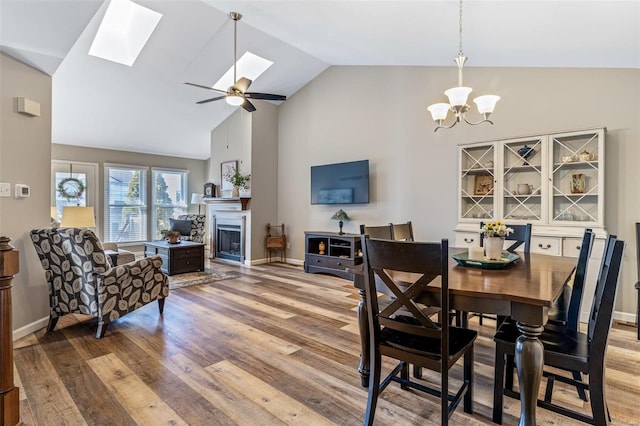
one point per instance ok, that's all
(548, 246)
(339, 264)
(578, 248)
(317, 260)
(468, 240)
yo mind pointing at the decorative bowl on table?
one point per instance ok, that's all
(505, 260)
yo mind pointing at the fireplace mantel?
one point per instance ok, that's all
(224, 202)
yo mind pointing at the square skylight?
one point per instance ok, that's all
(249, 65)
(125, 29)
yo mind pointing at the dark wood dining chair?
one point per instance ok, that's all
(570, 350)
(384, 232)
(402, 231)
(401, 330)
(566, 311)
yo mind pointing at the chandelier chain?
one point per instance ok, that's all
(460, 29)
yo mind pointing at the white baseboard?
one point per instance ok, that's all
(624, 316)
(30, 328)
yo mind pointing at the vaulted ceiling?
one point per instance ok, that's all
(147, 108)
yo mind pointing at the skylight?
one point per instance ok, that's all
(249, 65)
(125, 29)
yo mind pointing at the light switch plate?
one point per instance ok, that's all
(5, 190)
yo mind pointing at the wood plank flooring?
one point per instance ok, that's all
(273, 346)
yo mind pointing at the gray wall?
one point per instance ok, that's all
(379, 113)
(252, 139)
(196, 179)
(25, 158)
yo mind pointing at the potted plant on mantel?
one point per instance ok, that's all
(238, 180)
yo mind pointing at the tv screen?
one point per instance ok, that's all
(342, 183)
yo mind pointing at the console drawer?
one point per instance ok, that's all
(317, 260)
(467, 239)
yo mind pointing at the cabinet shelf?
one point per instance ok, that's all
(339, 253)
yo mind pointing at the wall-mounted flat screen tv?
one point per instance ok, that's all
(341, 183)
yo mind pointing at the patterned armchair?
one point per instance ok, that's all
(197, 227)
(83, 281)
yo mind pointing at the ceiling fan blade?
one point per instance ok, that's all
(211, 100)
(248, 105)
(265, 96)
(242, 84)
(205, 87)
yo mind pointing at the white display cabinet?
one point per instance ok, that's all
(554, 181)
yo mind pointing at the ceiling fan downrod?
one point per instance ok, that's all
(236, 17)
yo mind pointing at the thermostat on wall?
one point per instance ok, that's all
(22, 191)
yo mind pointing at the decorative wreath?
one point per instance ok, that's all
(71, 188)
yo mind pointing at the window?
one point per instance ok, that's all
(126, 205)
(168, 198)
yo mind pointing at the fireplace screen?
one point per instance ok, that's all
(229, 242)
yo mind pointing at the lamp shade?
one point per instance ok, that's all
(78, 217)
(54, 212)
(458, 95)
(340, 215)
(196, 198)
(438, 111)
(487, 103)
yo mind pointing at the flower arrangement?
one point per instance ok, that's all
(238, 179)
(495, 229)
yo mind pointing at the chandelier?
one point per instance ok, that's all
(458, 96)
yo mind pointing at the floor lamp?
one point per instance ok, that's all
(197, 199)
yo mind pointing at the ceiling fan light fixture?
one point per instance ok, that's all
(234, 100)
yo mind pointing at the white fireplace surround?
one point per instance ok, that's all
(228, 211)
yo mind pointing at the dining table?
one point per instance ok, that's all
(524, 289)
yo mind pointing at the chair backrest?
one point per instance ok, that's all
(579, 276)
(278, 230)
(384, 232)
(402, 231)
(521, 235)
(428, 261)
(71, 257)
(198, 222)
(605, 295)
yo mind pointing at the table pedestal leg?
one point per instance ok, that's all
(529, 358)
(363, 326)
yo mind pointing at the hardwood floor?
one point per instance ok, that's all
(273, 346)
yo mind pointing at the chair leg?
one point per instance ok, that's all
(468, 377)
(581, 393)
(444, 396)
(161, 305)
(102, 329)
(404, 374)
(52, 323)
(599, 407)
(498, 384)
(511, 368)
(374, 389)
(417, 372)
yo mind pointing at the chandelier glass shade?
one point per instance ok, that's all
(458, 97)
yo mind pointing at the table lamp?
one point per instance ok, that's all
(341, 216)
(78, 217)
(197, 199)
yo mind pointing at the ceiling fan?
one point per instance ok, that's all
(237, 94)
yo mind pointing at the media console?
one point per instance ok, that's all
(332, 253)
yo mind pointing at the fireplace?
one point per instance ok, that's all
(229, 238)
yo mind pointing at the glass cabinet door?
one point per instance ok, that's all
(523, 188)
(577, 178)
(477, 179)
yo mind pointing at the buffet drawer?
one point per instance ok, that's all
(546, 245)
(467, 239)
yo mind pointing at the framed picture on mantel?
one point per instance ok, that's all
(227, 168)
